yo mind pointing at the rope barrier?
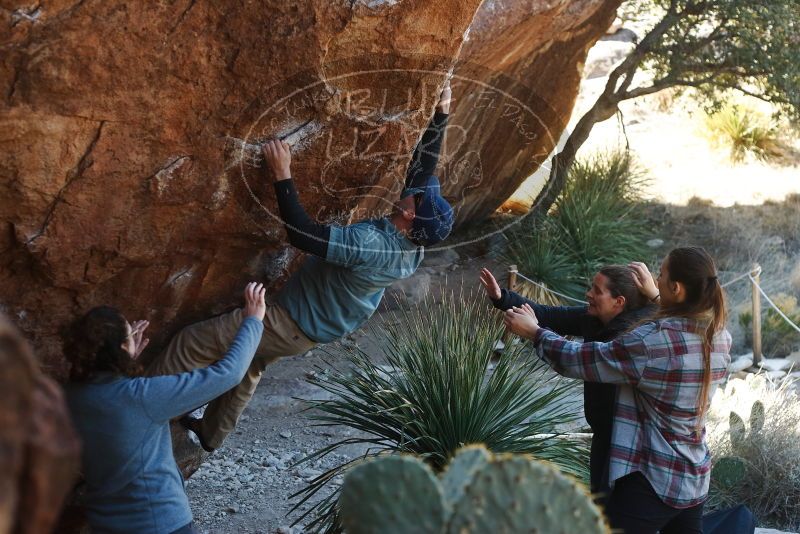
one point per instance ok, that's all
(562, 295)
(740, 277)
(579, 301)
(769, 300)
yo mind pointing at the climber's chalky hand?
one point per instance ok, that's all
(279, 158)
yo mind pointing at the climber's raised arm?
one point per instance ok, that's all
(304, 232)
(426, 154)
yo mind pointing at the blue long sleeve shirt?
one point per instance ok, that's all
(133, 483)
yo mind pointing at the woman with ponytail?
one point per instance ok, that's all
(665, 368)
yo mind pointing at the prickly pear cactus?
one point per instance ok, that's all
(506, 494)
(392, 495)
(728, 471)
(461, 469)
(757, 418)
(738, 431)
(513, 494)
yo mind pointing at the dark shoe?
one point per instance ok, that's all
(193, 424)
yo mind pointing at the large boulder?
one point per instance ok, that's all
(130, 172)
(523, 62)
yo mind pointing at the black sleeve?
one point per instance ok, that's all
(426, 154)
(304, 233)
(563, 320)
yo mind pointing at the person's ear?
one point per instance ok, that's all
(619, 303)
(408, 214)
(678, 291)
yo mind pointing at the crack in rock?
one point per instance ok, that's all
(76, 172)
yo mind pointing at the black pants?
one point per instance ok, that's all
(634, 508)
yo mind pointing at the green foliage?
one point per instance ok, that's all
(719, 45)
(594, 211)
(502, 494)
(540, 252)
(592, 224)
(441, 394)
(778, 338)
(746, 131)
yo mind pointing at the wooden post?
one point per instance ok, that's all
(512, 277)
(756, 274)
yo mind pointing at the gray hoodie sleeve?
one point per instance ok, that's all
(166, 397)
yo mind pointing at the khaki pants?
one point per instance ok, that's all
(203, 343)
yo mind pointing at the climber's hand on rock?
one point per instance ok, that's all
(255, 306)
(279, 158)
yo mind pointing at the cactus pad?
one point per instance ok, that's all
(757, 417)
(738, 431)
(514, 494)
(728, 471)
(392, 495)
(460, 470)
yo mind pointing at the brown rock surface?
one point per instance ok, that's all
(127, 135)
(522, 63)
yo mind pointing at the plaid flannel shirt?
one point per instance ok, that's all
(659, 367)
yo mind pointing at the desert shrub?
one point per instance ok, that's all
(746, 131)
(768, 444)
(593, 223)
(439, 392)
(778, 338)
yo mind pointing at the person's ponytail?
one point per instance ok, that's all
(705, 302)
(716, 297)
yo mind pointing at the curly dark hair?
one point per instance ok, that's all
(93, 344)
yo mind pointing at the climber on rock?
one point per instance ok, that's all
(334, 291)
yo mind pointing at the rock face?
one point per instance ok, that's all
(523, 62)
(129, 166)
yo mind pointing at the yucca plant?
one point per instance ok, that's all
(746, 130)
(778, 337)
(442, 393)
(594, 216)
(593, 223)
(538, 251)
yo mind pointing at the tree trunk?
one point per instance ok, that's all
(603, 109)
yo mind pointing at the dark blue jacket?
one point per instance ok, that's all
(598, 399)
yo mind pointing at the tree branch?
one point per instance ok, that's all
(711, 81)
